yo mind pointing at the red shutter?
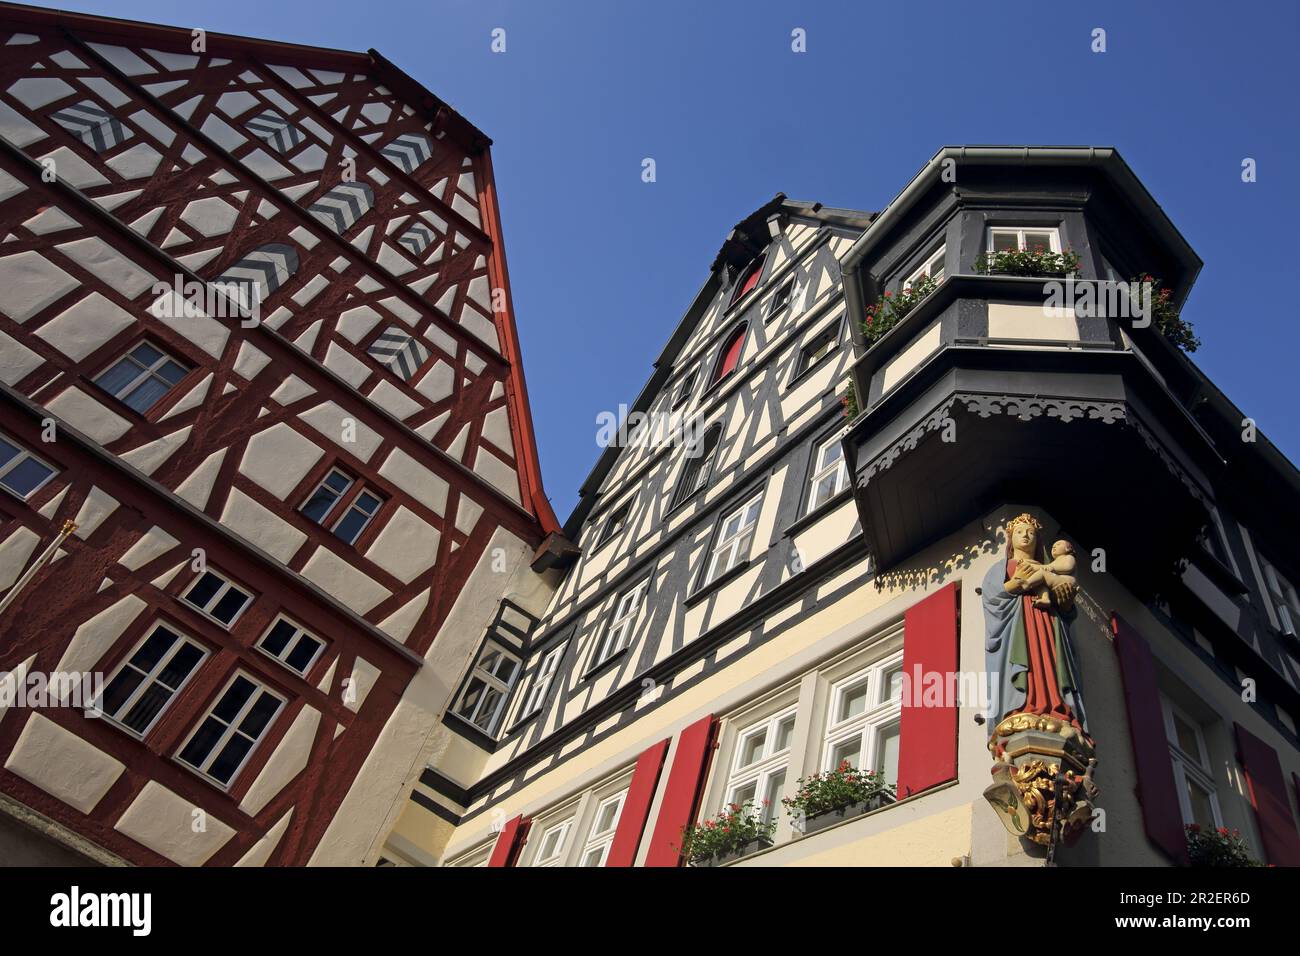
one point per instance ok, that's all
(730, 355)
(1269, 798)
(636, 806)
(509, 842)
(927, 736)
(1156, 789)
(682, 796)
(751, 280)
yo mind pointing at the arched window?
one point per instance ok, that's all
(729, 357)
(748, 279)
(699, 464)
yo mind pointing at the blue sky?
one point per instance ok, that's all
(603, 265)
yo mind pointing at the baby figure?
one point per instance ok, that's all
(1054, 578)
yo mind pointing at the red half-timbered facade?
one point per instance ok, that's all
(256, 343)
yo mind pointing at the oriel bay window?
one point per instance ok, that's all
(145, 684)
(227, 734)
(343, 504)
(483, 699)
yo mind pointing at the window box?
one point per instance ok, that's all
(890, 309)
(722, 859)
(820, 821)
(1218, 847)
(1026, 252)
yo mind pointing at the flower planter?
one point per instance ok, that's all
(821, 821)
(722, 859)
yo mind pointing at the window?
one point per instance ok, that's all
(748, 280)
(699, 464)
(862, 726)
(21, 472)
(779, 301)
(1192, 775)
(343, 504)
(759, 769)
(830, 473)
(146, 683)
(619, 633)
(291, 645)
(226, 736)
(931, 268)
(1024, 240)
(815, 351)
(488, 688)
(602, 831)
(142, 377)
(735, 535)
(614, 523)
(550, 850)
(1283, 597)
(542, 680)
(684, 388)
(217, 598)
(729, 357)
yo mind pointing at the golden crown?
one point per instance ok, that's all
(1025, 518)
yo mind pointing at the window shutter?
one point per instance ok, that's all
(928, 735)
(636, 806)
(1156, 790)
(1269, 798)
(730, 354)
(682, 796)
(510, 841)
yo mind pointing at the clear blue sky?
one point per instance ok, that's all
(603, 265)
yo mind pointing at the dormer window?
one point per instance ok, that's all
(729, 357)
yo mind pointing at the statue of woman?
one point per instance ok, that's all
(1031, 667)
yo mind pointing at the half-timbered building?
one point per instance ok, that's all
(798, 564)
(267, 466)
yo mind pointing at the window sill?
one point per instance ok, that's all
(603, 666)
(717, 583)
(821, 511)
(471, 733)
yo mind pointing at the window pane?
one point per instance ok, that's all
(887, 753)
(303, 653)
(505, 668)
(487, 712)
(259, 715)
(178, 668)
(119, 689)
(472, 694)
(152, 650)
(751, 748)
(1202, 809)
(171, 372)
(744, 793)
(350, 526)
(853, 701)
(26, 477)
(201, 744)
(772, 794)
(606, 817)
(1004, 242)
(784, 731)
(203, 591)
(119, 376)
(233, 700)
(278, 637)
(368, 502)
(227, 762)
(850, 750)
(1187, 738)
(1038, 242)
(146, 394)
(319, 504)
(147, 707)
(231, 603)
(145, 354)
(8, 452)
(593, 857)
(338, 481)
(893, 683)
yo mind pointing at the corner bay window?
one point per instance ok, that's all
(488, 688)
(931, 268)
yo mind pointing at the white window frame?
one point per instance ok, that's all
(232, 728)
(150, 678)
(776, 304)
(23, 455)
(338, 495)
(764, 771)
(821, 471)
(150, 371)
(299, 633)
(217, 595)
(352, 505)
(492, 681)
(807, 360)
(601, 840)
(563, 828)
(1282, 595)
(1053, 233)
(618, 633)
(881, 714)
(733, 543)
(541, 682)
(608, 528)
(927, 267)
(1194, 768)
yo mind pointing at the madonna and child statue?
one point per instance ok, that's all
(1043, 754)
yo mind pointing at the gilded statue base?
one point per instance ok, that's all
(1042, 778)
